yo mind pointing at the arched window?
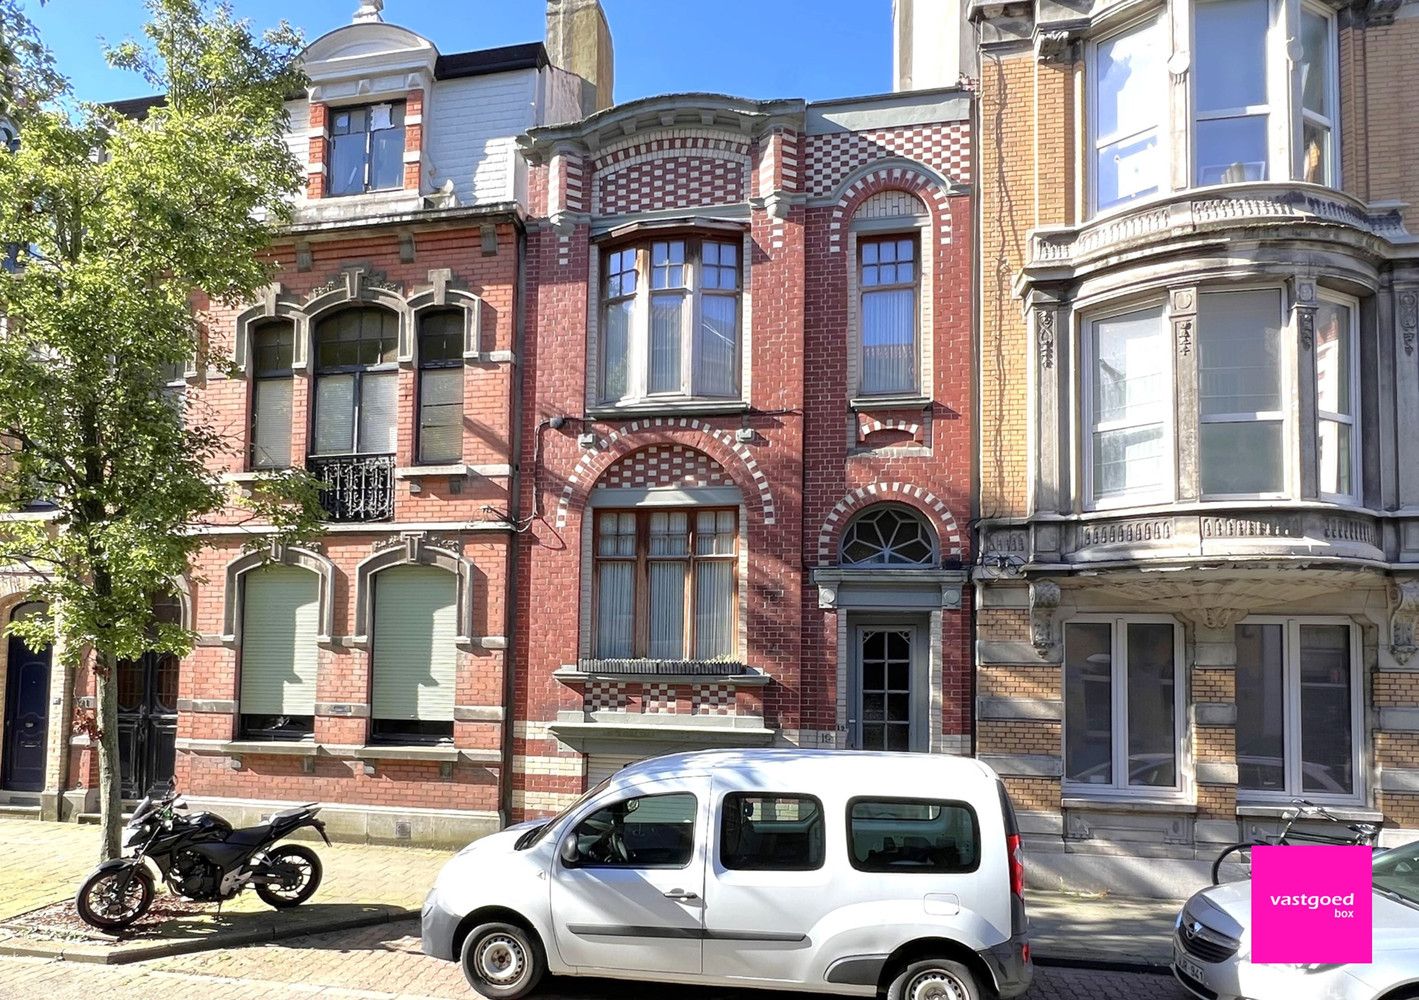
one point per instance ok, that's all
(356, 382)
(888, 535)
(889, 283)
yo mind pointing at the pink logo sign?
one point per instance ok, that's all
(1311, 904)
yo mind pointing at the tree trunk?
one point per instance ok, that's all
(110, 801)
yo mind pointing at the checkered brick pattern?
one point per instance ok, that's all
(832, 157)
(672, 182)
(671, 141)
(665, 465)
(659, 699)
(713, 699)
(868, 425)
(604, 696)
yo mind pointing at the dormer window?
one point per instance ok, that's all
(367, 148)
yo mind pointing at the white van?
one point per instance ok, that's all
(829, 871)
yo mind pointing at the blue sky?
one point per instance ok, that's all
(753, 48)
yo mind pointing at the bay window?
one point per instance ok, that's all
(356, 383)
(1298, 708)
(272, 351)
(441, 386)
(1123, 705)
(1241, 445)
(1132, 406)
(665, 584)
(670, 320)
(1247, 62)
(1337, 394)
(889, 282)
(1128, 110)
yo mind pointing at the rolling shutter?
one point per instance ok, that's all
(280, 614)
(415, 651)
(600, 765)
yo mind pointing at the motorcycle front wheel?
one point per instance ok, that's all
(298, 869)
(112, 898)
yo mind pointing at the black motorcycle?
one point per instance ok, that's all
(201, 857)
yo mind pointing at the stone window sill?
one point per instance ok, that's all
(869, 403)
(1269, 810)
(430, 754)
(1128, 805)
(668, 407)
(422, 471)
(277, 748)
(579, 673)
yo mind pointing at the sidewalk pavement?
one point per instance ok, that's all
(42, 865)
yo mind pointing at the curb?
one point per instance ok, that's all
(99, 955)
(1134, 964)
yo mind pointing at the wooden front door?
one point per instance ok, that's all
(26, 731)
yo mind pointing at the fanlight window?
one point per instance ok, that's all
(888, 536)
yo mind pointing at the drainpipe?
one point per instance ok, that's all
(977, 367)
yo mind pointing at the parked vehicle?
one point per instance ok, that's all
(201, 857)
(1234, 862)
(829, 871)
(1212, 947)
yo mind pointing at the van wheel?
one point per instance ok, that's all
(934, 979)
(502, 961)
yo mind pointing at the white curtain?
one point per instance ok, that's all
(615, 349)
(666, 333)
(889, 350)
(615, 612)
(717, 347)
(714, 609)
(271, 447)
(667, 610)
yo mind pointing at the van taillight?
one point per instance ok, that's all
(1017, 864)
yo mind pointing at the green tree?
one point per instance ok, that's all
(125, 228)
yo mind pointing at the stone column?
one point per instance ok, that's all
(1304, 313)
(1398, 318)
(1050, 353)
(1213, 708)
(1182, 310)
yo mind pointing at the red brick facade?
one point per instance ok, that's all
(802, 457)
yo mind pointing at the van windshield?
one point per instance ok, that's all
(536, 834)
(1397, 872)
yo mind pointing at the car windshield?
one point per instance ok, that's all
(535, 835)
(1397, 871)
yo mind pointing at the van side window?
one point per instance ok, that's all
(649, 831)
(769, 832)
(912, 835)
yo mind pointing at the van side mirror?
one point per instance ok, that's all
(569, 852)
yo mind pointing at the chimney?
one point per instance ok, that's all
(929, 46)
(579, 41)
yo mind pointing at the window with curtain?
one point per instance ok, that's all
(1129, 105)
(366, 148)
(1239, 393)
(414, 654)
(1297, 709)
(279, 624)
(666, 584)
(1335, 399)
(670, 323)
(889, 316)
(1131, 394)
(272, 378)
(441, 386)
(1122, 727)
(1231, 103)
(356, 383)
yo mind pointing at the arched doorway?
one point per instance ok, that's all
(147, 713)
(22, 755)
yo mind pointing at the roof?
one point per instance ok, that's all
(504, 59)
(888, 772)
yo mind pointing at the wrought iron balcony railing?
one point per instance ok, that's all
(356, 487)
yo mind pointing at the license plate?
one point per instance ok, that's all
(1188, 967)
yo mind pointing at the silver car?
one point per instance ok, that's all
(1212, 946)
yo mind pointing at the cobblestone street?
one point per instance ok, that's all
(384, 963)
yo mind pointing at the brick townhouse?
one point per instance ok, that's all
(746, 438)
(1199, 478)
(368, 669)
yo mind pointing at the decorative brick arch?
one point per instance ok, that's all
(892, 175)
(865, 496)
(738, 461)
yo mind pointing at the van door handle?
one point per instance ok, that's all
(682, 895)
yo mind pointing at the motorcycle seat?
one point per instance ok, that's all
(250, 836)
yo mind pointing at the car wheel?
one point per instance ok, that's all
(502, 961)
(934, 979)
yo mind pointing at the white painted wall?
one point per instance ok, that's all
(470, 131)
(926, 44)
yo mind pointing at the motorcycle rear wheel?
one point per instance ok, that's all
(114, 898)
(302, 865)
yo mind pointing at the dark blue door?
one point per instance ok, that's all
(26, 718)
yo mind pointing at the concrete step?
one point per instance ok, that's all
(11, 811)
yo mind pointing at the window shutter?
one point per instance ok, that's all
(600, 765)
(379, 410)
(280, 616)
(273, 424)
(415, 652)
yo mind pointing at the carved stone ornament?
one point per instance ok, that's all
(827, 596)
(1379, 12)
(1182, 330)
(1306, 326)
(1044, 331)
(369, 12)
(1408, 319)
(1404, 619)
(1220, 617)
(1044, 601)
(1054, 47)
